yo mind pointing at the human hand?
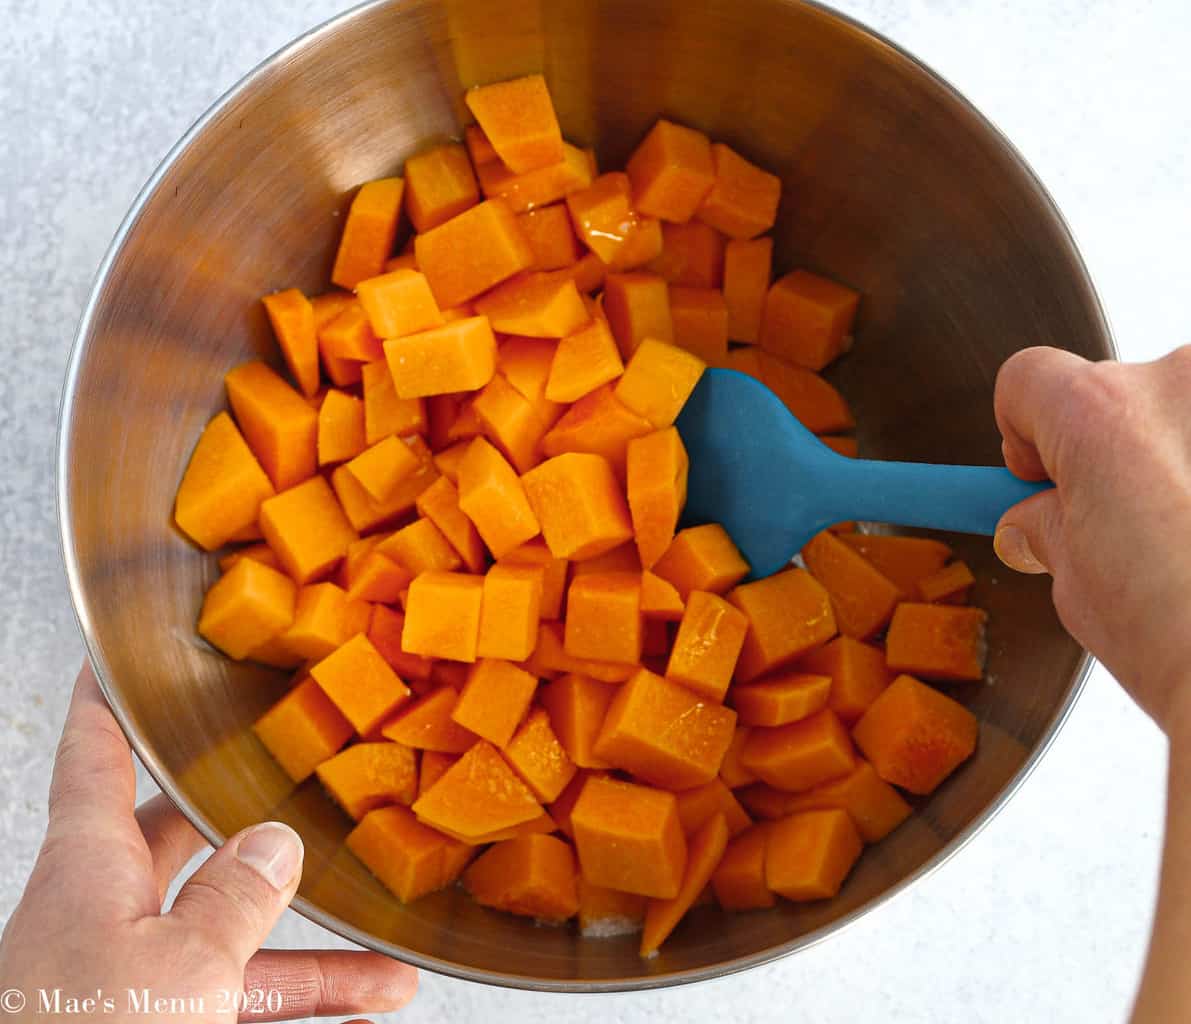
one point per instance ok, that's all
(90, 920)
(1116, 440)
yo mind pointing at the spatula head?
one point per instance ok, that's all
(755, 469)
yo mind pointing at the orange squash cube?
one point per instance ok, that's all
(278, 424)
(580, 506)
(702, 558)
(733, 773)
(642, 245)
(540, 187)
(629, 838)
(808, 855)
(858, 675)
(432, 765)
(607, 912)
(604, 617)
(692, 256)
(512, 422)
(302, 730)
(370, 775)
(560, 810)
(815, 403)
(664, 734)
(551, 237)
(537, 305)
(246, 608)
(510, 612)
(380, 468)
(554, 573)
(442, 616)
(292, 319)
(223, 487)
(368, 232)
(360, 683)
(577, 706)
(603, 216)
(533, 876)
(781, 699)
(808, 319)
(584, 360)
(479, 148)
(874, 806)
(340, 427)
(307, 528)
(704, 852)
(428, 723)
(597, 424)
(349, 335)
(439, 185)
(378, 578)
(743, 200)
(700, 323)
(472, 252)
(518, 119)
(863, 599)
(671, 172)
(409, 858)
(949, 585)
(495, 698)
(657, 482)
(364, 512)
(539, 758)
(459, 356)
(915, 736)
(477, 795)
(739, 879)
(493, 497)
(748, 264)
(658, 380)
(660, 599)
(325, 618)
(638, 307)
(439, 504)
(699, 805)
(384, 633)
(543, 824)
(420, 547)
(399, 303)
(550, 659)
(800, 755)
(256, 552)
(935, 641)
(708, 643)
(342, 372)
(904, 560)
(789, 614)
(525, 363)
(384, 412)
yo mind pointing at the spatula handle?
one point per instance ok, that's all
(965, 499)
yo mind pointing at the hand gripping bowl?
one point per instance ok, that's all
(892, 183)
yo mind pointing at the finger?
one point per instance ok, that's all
(324, 983)
(93, 780)
(171, 839)
(1028, 387)
(233, 900)
(1028, 534)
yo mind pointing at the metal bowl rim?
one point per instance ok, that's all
(303, 906)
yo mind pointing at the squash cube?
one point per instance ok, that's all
(439, 185)
(368, 232)
(409, 858)
(742, 203)
(747, 268)
(427, 723)
(302, 730)
(533, 876)
(702, 558)
(658, 381)
(808, 319)
(510, 612)
(808, 855)
(637, 305)
(539, 758)
(708, 643)
(307, 528)
(789, 614)
(518, 119)
(493, 497)
(247, 607)
(459, 356)
(442, 615)
(936, 641)
(370, 775)
(279, 425)
(477, 795)
(472, 252)
(800, 755)
(858, 675)
(292, 319)
(781, 699)
(495, 698)
(604, 617)
(360, 683)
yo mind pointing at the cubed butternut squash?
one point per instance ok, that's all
(743, 200)
(658, 380)
(808, 319)
(789, 614)
(538, 756)
(862, 599)
(533, 876)
(493, 497)
(671, 171)
(280, 427)
(247, 607)
(370, 775)
(704, 852)
(510, 612)
(472, 252)
(495, 698)
(477, 795)
(302, 730)
(579, 504)
(459, 356)
(604, 617)
(858, 675)
(428, 723)
(368, 232)
(577, 706)
(808, 855)
(442, 615)
(935, 641)
(702, 558)
(307, 528)
(707, 645)
(748, 265)
(518, 119)
(800, 755)
(360, 683)
(292, 319)
(781, 699)
(637, 305)
(439, 185)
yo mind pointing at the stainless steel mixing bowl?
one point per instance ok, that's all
(892, 182)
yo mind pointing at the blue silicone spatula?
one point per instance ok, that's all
(773, 485)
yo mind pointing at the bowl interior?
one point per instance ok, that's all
(891, 183)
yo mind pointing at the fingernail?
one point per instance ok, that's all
(1013, 548)
(274, 851)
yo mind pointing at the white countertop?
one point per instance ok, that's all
(1044, 916)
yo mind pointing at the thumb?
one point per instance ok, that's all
(232, 902)
(1027, 536)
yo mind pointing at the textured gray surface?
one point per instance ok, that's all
(1044, 916)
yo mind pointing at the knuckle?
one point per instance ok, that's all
(1099, 392)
